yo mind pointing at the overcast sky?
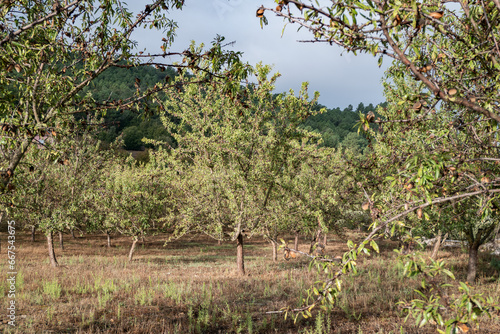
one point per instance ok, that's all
(341, 79)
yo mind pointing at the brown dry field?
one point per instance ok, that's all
(191, 286)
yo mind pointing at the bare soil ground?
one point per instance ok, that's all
(191, 286)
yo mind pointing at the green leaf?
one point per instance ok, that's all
(448, 273)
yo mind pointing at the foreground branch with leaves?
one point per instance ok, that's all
(433, 159)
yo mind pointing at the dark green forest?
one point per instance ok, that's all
(118, 84)
(336, 126)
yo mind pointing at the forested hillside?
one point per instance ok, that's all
(336, 126)
(119, 84)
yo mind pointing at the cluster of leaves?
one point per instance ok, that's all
(445, 305)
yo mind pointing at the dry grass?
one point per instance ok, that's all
(191, 286)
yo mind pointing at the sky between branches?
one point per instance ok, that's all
(341, 79)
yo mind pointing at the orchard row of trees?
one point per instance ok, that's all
(237, 159)
(241, 165)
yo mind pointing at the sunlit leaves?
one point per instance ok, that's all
(447, 305)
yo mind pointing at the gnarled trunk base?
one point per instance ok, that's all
(296, 242)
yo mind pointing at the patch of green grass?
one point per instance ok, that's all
(52, 289)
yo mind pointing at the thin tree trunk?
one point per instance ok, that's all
(496, 237)
(436, 245)
(52, 254)
(33, 230)
(239, 255)
(132, 249)
(61, 241)
(109, 239)
(473, 259)
(219, 242)
(73, 233)
(274, 245)
(315, 241)
(325, 239)
(318, 235)
(296, 243)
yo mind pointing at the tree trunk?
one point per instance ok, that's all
(315, 241)
(52, 255)
(496, 237)
(318, 235)
(239, 255)
(61, 241)
(436, 245)
(325, 239)
(296, 243)
(33, 230)
(109, 239)
(473, 258)
(274, 245)
(73, 234)
(132, 249)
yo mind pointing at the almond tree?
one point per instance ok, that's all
(129, 199)
(51, 182)
(448, 53)
(232, 151)
(51, 50)
(318, 196)
(444, 167)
